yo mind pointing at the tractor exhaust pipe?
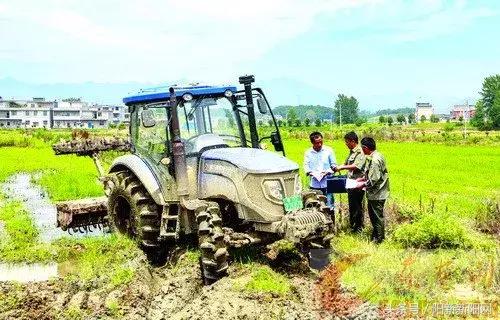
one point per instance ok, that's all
(178, 149)
(247, 81)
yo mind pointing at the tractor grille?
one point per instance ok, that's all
(307, 216)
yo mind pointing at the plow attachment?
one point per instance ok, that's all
(85, 215)
(82, 215)
(90, 146)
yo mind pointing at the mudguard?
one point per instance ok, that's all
(142, 171)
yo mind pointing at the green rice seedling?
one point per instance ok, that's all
(459, 177)
(95, 261)
(389, 273)
(19, 242)
(65, 177)
(440, 230)
(488, 217)
(264, 280)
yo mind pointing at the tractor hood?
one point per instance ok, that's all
(252, 160)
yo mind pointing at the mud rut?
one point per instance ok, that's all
(175, 291)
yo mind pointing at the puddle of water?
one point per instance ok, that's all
(28, 272)
(37, 202)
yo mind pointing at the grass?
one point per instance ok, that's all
(390, 273)
(262, 279)
(114, 309)
(11, 299)
(88, 262)
(19, 241)
(441, 230)
(74, 313)
(441, 189)
(435, 177)
(65, 177)
(94, 261)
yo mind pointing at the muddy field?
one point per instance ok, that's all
(171, 291)
(175, 291)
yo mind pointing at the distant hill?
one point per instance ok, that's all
(386, 112)
(312, 112)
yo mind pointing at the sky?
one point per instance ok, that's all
(387, 54)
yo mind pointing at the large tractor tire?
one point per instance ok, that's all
(134, 213)
(213, 261)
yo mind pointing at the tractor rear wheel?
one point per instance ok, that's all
(133, 212)
(214, 252)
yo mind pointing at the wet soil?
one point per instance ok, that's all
(177, 292)
(174, 291)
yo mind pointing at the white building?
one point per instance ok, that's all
(423, 109)
(66, 113)
(33, 113)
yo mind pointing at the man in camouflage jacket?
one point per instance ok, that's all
(355, 164)
(376, 182)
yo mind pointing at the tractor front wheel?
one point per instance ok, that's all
(213, 261)
(133, 212)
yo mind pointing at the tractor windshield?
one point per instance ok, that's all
(209, 121)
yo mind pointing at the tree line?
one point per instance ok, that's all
(346, 110)
(487, 114)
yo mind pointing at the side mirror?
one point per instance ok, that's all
(262, 104)
(147, 118)
(276, 141)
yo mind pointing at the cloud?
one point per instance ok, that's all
(153, 40)
(440, 21)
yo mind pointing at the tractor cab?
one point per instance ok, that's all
(208, 117)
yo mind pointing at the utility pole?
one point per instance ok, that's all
(340, 115)
(465, 117)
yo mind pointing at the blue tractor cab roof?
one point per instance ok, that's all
(158, 94)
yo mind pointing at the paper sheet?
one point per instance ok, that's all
(318, 174)
(351, 183)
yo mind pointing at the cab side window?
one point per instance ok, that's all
(152, 124)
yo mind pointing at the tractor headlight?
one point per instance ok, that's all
(187, 96)
(228, 93)
(273, 189)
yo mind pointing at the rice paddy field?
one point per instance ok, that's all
(454, 177)
(441, 196)
(442, 217)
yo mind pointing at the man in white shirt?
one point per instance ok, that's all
(319, 162)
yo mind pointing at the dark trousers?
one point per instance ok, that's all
(376, 214)
(355, 199)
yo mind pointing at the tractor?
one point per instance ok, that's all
(197, 166)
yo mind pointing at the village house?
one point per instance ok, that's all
(423, 109)
(462, 111)
(66, 113)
